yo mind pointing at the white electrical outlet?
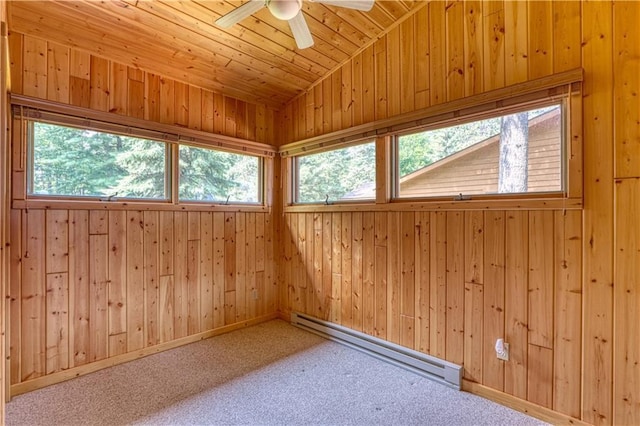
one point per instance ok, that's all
(254, 293)
(502, 350)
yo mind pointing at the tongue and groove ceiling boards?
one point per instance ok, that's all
(255, 60)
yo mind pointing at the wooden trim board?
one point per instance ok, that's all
(71, 373)
(521, 405)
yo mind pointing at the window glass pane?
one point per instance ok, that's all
(209, 175)
(516, 153)
(342, 175)
(76, 162)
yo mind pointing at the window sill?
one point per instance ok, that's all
(520, 203)
(67, 204)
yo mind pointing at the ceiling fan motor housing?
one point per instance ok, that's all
(284, 9)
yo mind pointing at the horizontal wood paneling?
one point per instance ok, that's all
(422, 271)
(47, 70)
(92, 285)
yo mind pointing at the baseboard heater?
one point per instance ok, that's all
(436, 369)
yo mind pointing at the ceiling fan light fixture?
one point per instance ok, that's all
(284, 9)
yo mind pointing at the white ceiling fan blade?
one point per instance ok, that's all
(239, 13)
(300, 31)
(364, 5)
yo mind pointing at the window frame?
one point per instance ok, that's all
(26, 110)
(260, 180)
(563, 88)
(295, 170)
(562, 192)
(30, 145)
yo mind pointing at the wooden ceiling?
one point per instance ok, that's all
(255, 60)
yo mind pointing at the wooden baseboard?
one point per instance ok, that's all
(518, 404)
(71, 373)
(285, 316)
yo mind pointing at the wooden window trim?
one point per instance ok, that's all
(565, 86)
(551, 87)
(56, 113)
(25, 108)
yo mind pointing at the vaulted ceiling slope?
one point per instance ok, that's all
(255, 60)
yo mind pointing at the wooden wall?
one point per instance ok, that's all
(449, 284)
(90, 285)
(47, 70)
(5, 148)
(588, 263)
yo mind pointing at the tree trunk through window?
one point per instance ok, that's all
(514, 153)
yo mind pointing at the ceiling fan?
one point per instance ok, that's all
(290, 11)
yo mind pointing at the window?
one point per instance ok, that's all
(69, 157)
(345, 174)
(208, 175)
(72, 162)
(521, 152)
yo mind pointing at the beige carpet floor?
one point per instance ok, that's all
(269, 374)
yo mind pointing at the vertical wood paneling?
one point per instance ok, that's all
(117, 282)
(438, 283)
(393, 277)
(455, 287)
(34, 73)
(597, 60)
(79, 285)
(437, 53)
(368, 298)
(57, 340)
(380, 241)
(494, 289)
(455, 80)
(516, 41)
(473, 245)
(494, 44)
(99, 80)
(240, 267)
(540, 38)
(626, 89)
(206, 271)
(357, 274)
(473, 47)
(394, 76)
(180, 296)
(57, 73)
(421, 58)
(566, 35)
(422, 281)
(229, 268)
(57, 241)
(346, 240)
(135, 280)
(407, 279)
(380, 79)
(98, 297)
(627, 297)
(567, 342)
(15, 293)
(151, 278)
(473, 336)
(32, 359)
(540, 378)
(517, 294)
(118, 89)
(541, 278)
